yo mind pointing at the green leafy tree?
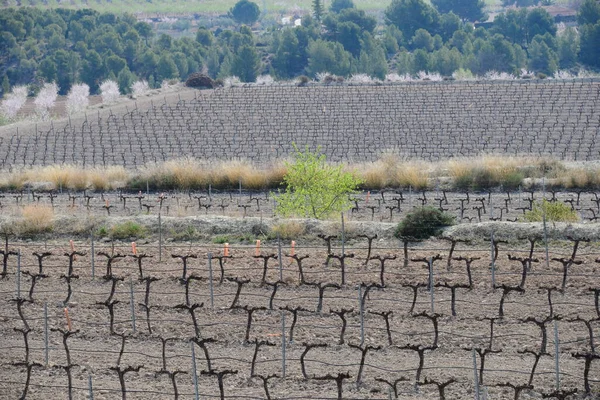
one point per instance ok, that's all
(422, 40)
(288, 60)
(145, 30)
(589, 50)
(125, 79)
(339, 5)
(410, 15)
(330, 57)
(245, 12)
(246, 64)
(468, 10)
(67, 67)
(204, 37)
(589, 21)
(47, 69)
(568, 48)
(521, 26)
(449, 23)
(541, 57)
(421, 61)
(372, 60)
(317, 10)
(589, 12)
(366, 22)
(166, 68)
(446, 61)
(314, 188)
(349, 35)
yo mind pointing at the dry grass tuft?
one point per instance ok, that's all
(71, 177)
(35, 219)
(579, 177)
(413, 174)
(14, 180)
(108, 178)
(391, 171)
(288, 230)
(190, 173)
(486, 172)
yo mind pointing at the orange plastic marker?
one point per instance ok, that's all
(68, 318)
(106, 202)
(72, 249)
(134, 248)
(257, 252)
(293, 248)
(368, 197)
(226, 250)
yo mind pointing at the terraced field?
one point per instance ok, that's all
(427, 120)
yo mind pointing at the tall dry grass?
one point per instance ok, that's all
(389, 171)
(190, 173)
(486, 171)
(579, 178)
(35, 219)
(68, 177)
(392, 171)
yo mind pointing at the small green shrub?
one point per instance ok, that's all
(423, 223)
(126, 230)
(220, 239)
(102, 231)
(555, 212)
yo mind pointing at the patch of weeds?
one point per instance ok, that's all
(287, 230)
(555, 212)
(220, 239)
(35, 220)
(260, 230)
(102, 231)
(188, 234)
(126, 230)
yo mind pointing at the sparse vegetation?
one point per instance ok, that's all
(554, 211)
(34, 220)
(288, 230)
(127, 230)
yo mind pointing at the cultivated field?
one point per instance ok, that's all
(245, 333)
(489, 309)
(426, 120)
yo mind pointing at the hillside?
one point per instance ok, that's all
(426, 120)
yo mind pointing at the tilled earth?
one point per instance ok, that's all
(95, 352)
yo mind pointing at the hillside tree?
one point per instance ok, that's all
(468, 10)
(245, 12)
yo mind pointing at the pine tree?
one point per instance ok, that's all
(317, 10)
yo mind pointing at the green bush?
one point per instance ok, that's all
(555, 212)
(127, 230)
(483, 179)
(220, 239)
(102, 231)
(423, 223)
